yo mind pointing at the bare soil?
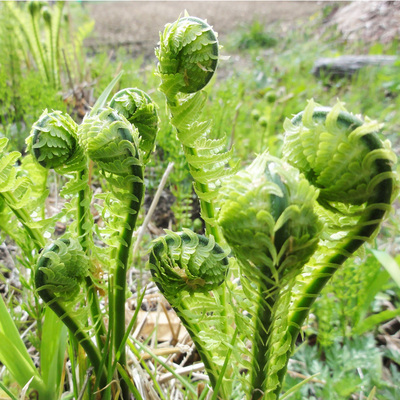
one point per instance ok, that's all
(136, 24)
(375, 21)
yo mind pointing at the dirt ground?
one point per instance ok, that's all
(137, 24)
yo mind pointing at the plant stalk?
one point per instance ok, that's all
(77, 332)
(261, 342)
(84, 239)
(122, 269)
(206, 357)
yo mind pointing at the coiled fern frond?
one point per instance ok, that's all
(338, 152)
(188, 56)
(53, 142)
(111, 141)
(352, 167)
(140, 110)
(345, 158)
(267, 217)
(61, 269)
(186, 266)
(187, 261)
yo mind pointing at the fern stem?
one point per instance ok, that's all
(209, 209)
(56, 41)
(39, 45)
(194, 330)
(52, 63)
(75, 330)
(84, 238)
(122, 269)
(261, 342)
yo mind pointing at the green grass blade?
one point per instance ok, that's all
(225, 366)
(371, 396)
(129, 382)
(180, 378)
(389, 263)
(52, 349)
(103, 97)
(204, 393)
(13, 353)
(374, 320)
(7, 392)
(295, 388)
(18, 365)
(128, 330)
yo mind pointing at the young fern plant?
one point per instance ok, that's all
(291, 227)
(188, 57)
(186, 266)
(54, 144)
(119, 148)
(290, 223)
(267, 217)
(346, 159)
(61, 268)
(121, 143)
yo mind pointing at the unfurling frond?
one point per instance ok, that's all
(140, 110)
(8, 171)
(188, 56)
(111, 141)
(60, 270)
(338, 153)
(186, 261)
(53, 142)
(267, 216)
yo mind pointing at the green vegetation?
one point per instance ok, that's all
(275, 258)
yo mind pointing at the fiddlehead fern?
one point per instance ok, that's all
(346, 159)
(267, 217)
(188, 57)
(113, 143)
(183, 264)
(337, 152)
(60, 270)
(110, 140)
(187, 261)
(140, 110)
(53, 142)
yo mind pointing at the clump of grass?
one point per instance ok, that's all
(255, 37)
